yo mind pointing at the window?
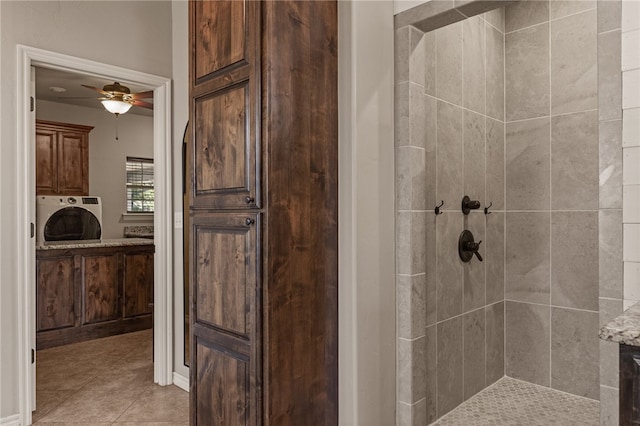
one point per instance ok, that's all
(140, 193)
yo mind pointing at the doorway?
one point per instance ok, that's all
(29, 57)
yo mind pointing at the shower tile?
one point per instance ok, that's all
(402, 115)
(528, 158)
(574, 161)
(430, 118)
(525, 14)
(402, 54)
(610, 164)
(410, 242)
(450, 370)
(412, 415)
(609, 76)
(631, 242)
(631, 280)
(609, 406)
(495, 164)
(527, 257)
(574, 352)
(431, 360)
(412, 377)
(610, 253)
(631, 85)
(631, 127)
(631, 175)
(527, 329)
(429, 43)
(417, 122)
(494, 257)
(474, 352)
(409, 55)
(474, 270)
(410, 178)
(630, 51)
(495, 342)
(574, 57)
(448, 60)
(527, 72)
(410, 294)
(609, 15)
(495, 18)
(430, 277)
(574, 264)
(450, 151)
(495, 73)
(450, 270)
(474, 155)
(473, 64)
(562, 8)
(609, 363)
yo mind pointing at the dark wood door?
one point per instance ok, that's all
(46, 162)
(55, 307)
(225, 325)
(101, 289)
(73, 161)
(138, 284)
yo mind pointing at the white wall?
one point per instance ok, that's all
(107, 157)
(74, 28)
(366, 329)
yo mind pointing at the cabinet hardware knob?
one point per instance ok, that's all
(248, 199)
(248, 221)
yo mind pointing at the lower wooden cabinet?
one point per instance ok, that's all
(629, 385)
(87, 293)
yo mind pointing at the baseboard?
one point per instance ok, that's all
(10, 421)
(181, 381)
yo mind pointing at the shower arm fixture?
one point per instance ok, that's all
(468, 204)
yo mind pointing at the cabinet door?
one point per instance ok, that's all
(73, 161)
(46, 162)
(101, 288)
(225, 361)
(138, 284)
(55, 294)
(225, 104)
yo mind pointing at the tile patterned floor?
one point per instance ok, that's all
(511, 402)
(104, 382)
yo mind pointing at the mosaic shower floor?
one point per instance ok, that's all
(511, 402)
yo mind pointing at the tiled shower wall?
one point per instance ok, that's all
(449, 142)
(552, 195)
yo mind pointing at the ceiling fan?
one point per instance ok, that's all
(118, 99)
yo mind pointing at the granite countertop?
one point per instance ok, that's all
(625, 328)
(115, 242)
(139, 231)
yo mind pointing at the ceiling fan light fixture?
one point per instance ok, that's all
(116, 106)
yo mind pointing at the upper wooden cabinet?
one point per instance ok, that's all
(62, 158)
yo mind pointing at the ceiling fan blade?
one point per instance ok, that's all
(142, 104)
(142, 95)
(96, 89)
(76, 97)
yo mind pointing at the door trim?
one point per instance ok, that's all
(25, 210)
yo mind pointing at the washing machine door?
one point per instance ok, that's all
(72, 223)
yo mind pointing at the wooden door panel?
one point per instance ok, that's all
(46, 162)
(138, 284)
(223, 394)
(101, 288)
(55, 295)
(72, 164)
(219, 35)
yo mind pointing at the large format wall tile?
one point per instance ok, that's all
(474, 155)
(412, 376)
(410, 294)
(527, 73)
(494, 257)
(495, 342)
(495, 17)
(450, 270)
(609, 406)
(494, 164)
(574, 56)
(574, 265)
(609, 76)
(412, 415)
(429, 42)
(562, 8)
(574, 161)
(525, 14)
(410, 242)
(409, 54)
(574, 352)
(410, 178)
(474, 270)
(609, 15)
(450, 151)
(473, 96)
(610, 253)
(430, 264)
(431, 360)
(609, 351)
(528, 158)
(495, 73)
(401, 115)
(450, 359)
(527, 257)
(448, 60)
(610, 164)
(417, 104)
(474, 352)
(527, 329)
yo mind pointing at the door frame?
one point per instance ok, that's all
(25, 210)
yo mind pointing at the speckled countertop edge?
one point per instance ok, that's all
(624, 328)
(116, 242)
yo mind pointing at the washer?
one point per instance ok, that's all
(68, 218)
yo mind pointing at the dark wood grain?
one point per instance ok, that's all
(101, 288)
(55, 307)
(138, 284)
(629, 386)
(46, 161)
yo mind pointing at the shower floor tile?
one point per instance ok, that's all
(511, 402)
